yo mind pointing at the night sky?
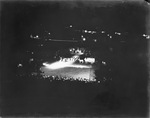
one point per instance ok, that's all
(32, 33)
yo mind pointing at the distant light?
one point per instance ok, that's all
(32, 52)
(144, 35)
(84, 39)
(70, 26)
(53, 76)
(103, 31)
(89, 31)
(95, 40)
(99, 81)
(49, 33)
(93, 32)
(117, 33)
(37, 36)
(20, 65)
(110, 37)
(41, 44)
(103, 62)
(31, 59)
(107, 34)
(31, 36)
(90, 60)
(148, 37)
(85, 31)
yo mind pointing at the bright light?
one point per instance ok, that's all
(90, 60)
(84, 39)
(79, 66)
(31, 59)
(36, 36)
(117, 33)
(20, 65)
(85, 31)
(95, 40)
(59, 64)
(62, 64)
(103, 62)
(89, 31)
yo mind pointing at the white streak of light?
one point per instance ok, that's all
(58, 65)
(79, 66)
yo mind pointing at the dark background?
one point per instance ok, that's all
(125, 95)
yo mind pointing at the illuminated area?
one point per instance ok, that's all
(71, 69)
(70, 73)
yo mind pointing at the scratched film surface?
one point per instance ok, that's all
(74, 59)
